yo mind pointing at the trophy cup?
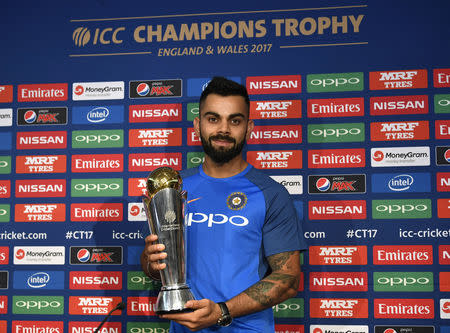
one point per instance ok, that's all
(164, 208)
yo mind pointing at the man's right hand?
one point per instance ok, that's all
(152, 255)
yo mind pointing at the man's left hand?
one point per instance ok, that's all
(204, 313)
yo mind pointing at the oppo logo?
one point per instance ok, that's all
(286, 307)
(3, 164)
(97, 138)
(399, 281)
(149, 330)
(38, 304)
(97, 187)
(3, 212)
(401, 208)
(444, 102)
(212, 219)
(334, 82)
(141, 280)
(335, 132)
(197, 160)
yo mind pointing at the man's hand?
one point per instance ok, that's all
(151, 256)
(205, 313)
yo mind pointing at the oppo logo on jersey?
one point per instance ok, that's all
(211, 219)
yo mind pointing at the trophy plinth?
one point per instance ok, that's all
(164, 208)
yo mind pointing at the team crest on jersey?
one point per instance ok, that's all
(236, 200)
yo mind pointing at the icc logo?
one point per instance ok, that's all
(82, 36)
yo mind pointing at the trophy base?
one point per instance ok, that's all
(173, 300)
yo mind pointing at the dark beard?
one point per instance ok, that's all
(222, 155)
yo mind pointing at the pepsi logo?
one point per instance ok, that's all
(30, 116)
(447, 155)
(390, 330)
(378, 156)
(143, 89)
(20, 254)
(79, 90)
(83, 255)
(323, 184)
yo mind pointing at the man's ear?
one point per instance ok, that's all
(197, 126)
(250, 126)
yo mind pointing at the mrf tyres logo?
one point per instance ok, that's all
(335, 82)
(399, 157)
(33, 164)
(156, 88)
(337, 255)
(394, 131)
(284, 109)
(96, 255)
(338, 307)
(276, 159)
(55, 212)
(337, 184)
(401, 209)
(398, 79)
(95, 305)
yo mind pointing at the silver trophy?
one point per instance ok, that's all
(164, 208)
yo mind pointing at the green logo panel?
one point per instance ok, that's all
(40, 305)
(291, 308)
(5, 213)
(403, 281)
(5, 165)
(192, 111)
(148, 327)
(105, 187)
(98, 139)
(442, 103)
(335, 82)
(137, 280)
(347, 132)
(401, 209)
(194, 159)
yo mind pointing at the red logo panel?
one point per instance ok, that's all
(155, 137)
(403, 255)
(338, 255)
(402, 79)
(442, 129)
(41, 164)
(22, 326)
(93, 305)
(42, 188)
(286, 109)
(42, 140)
(404, 308)
(441, 77)
(6, 93)
(96, 212)
(444, 281)
(337, 210)
(444, 254)
(97, 163)
(141, 306)
(4, 255)
(275, 159)
(42, 92)
(404, 130)
(151, 161)
(284, 84)
(338, 281)
(336, 107)
(443, 208)
(276, 134)
(5, 189)
(339, 307)
(443, 181)
(137, 187)
(155, 113)
(96, 280)
(398, 105)
(42, 212)
(336, 158)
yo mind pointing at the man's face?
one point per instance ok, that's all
(223, 126)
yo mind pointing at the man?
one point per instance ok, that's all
(243, 234)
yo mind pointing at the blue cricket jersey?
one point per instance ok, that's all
(232, 225)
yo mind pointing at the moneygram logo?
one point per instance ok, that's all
(405, 182)
(281, 159)
(96, 212)
(338, 281)
(85, 91)
(336, 107)
(33, 164)
(156, 88)
(96, 255)
(403, 281)
(343, 132)
(335, 82)
(155, 113)
(336, 158)
(294, 183)
(338, 255)
(338, 307)
(405, 130)
(104, 187)
(401, 209)
(398, 157)
(404, 308)
(40, 305)
(42, 140)
(338, 329)
(291, 308)
(39, 255)
(54, 212)
(42, 188)
(285, 109)
(6, 117)
(42, 116)
(402, 255)
(97, 163)
(398, 105)
(151, 161)
(398, 79)
(136, 211)
(276, 134)
(42, 92)
(98, 139)
(337, 210)
(97, 305)
(441, 77)
(284, 84)
(89, 280)
(155, 137)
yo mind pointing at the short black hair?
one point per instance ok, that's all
(224, 87)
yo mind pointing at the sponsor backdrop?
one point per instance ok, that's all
(351, 101)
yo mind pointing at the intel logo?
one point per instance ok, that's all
(97, 115)
(38, 280)
(401, 183)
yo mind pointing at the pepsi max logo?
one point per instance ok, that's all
(155, 88)
(337, 184)
(404, 329)
(96, 255)
(42, 116)
(443, 155)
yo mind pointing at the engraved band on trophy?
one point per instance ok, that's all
(164, 208)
